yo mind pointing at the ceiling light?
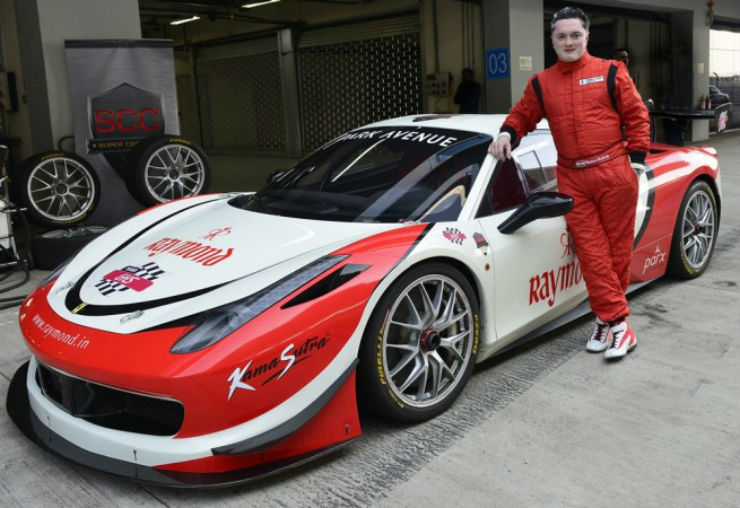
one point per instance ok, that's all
(257, 4)
(186, 20)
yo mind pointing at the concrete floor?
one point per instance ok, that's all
(545, 425)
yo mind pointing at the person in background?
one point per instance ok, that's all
(587, 100)
(468, 92)
(622, 55)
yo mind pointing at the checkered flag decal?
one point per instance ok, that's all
(454, 235)
(150, 271)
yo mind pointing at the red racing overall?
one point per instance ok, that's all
(593, 165)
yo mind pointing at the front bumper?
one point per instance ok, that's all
(84, 443)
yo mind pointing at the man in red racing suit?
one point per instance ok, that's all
(587, 102)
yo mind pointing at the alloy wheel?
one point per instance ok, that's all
(428, 340)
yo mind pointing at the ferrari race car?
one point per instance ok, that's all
(218, 338)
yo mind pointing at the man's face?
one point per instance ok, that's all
(569, 39)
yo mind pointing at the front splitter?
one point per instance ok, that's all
(19, 410)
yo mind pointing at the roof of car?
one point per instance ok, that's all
(486, 124)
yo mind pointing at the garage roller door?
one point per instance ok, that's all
(240, 97)
(358, 73)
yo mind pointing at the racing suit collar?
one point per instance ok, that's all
(572, 66)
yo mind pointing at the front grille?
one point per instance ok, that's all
(108, 407)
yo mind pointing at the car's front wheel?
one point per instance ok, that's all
(420, 345)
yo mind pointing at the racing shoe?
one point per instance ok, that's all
(600, 338)
(623, 341)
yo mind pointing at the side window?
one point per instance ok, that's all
(532, 169)
(537, 159)
(505, 190)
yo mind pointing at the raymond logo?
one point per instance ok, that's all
(217, 232)
(137, 278)
(658, 258)
(192, 251)
(545, 286)
(122, 116)
(566, 240)
(454, 235)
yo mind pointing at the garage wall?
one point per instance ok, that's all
(344, 75)
(77, 19)
(17, 123)
(333, 73)
(456, 44)
(283, 13)
(691, 29)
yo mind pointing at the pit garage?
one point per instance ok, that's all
(136, 132)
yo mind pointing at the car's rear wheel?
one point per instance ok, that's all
(420, 345)
(695, 232)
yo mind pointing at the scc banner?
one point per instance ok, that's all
(122, 91)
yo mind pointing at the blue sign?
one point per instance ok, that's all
(497, 63)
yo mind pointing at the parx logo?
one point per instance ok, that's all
(658, 258)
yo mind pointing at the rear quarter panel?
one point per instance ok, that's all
(669, 175)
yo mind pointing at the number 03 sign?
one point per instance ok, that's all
(497, 63)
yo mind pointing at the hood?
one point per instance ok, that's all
(173, 265)
(209, 246)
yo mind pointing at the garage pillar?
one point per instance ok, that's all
(289, 84)
(516, 26)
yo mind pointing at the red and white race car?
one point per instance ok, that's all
(219, 338)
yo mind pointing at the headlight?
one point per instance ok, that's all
(215, 324)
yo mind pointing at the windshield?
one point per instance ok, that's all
(388, 174)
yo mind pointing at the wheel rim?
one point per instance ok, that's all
(428, 339)
(61, 189)
(698, 229)
(174, 172)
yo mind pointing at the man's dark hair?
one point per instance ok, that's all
(619, 50)
(468, 69)
(571, 12)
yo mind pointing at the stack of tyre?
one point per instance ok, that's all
(60, 190)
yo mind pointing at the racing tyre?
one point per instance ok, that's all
(420, 345)
(167, 168)
(695, 232)
(58, 188)
(52, 248)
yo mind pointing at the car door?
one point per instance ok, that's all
(536, 275)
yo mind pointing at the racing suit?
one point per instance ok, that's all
(593, 166)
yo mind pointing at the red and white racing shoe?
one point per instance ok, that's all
(600, 338)
(623, 341)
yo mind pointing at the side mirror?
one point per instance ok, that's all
(539, 205)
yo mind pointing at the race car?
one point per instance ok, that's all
(215, 339)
